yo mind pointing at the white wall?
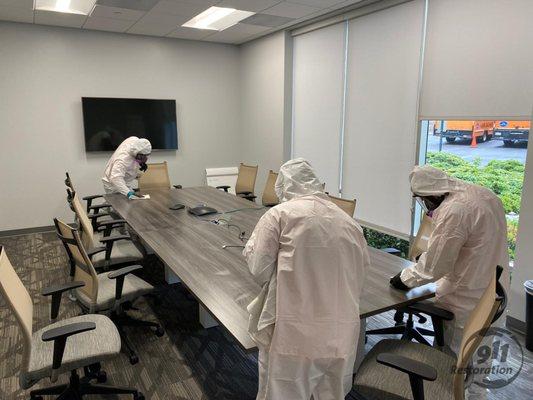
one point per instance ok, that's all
(263, 111)
(44, 72)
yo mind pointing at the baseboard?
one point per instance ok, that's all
(26, 231)
(515, 324)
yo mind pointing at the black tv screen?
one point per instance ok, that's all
(108, 121)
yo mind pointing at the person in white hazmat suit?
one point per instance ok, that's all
(468, 241)
(310, 258)
(126, 165)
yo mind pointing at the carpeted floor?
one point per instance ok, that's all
(189, 362)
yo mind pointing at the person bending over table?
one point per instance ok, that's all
(310, 258)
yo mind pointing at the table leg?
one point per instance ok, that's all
(360, 346)
(206, 320)
(170, 276)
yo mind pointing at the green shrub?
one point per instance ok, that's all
(512, 230)
(380, 240)
(505, 178)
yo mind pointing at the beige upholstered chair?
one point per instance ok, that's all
(155, 177)
(397, 369)
(119, 250)
(105, 292)
(346, 205)
(66, 345)
(269, 194)
(88, 199)
(245, 185)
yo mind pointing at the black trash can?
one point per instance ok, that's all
(529, 314)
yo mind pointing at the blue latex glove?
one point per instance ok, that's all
(130, 193)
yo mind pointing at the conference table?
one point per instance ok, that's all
(191, 249)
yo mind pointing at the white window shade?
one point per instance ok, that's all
(381, 113)
(479, 60)
(318, 86)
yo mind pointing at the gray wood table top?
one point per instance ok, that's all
(219, 278)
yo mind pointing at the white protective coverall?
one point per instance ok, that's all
(122, 168)
(468, 241)
(310, 258)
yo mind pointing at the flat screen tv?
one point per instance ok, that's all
(108, 121)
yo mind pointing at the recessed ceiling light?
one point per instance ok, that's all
(83, 7)
(217, 18)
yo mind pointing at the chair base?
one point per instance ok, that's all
(122, 320)
(77, 388)
(406, 329)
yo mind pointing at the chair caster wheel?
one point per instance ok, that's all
(138, 396)
(101, 377)
(134, 359)
(159, 331)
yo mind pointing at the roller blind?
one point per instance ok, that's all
(381, 113)
(479, 59)
(318, 87)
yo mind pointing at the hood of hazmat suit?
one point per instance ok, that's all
(122, 168)
(468, 241)
(310, 258)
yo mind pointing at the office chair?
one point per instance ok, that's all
(155, 177)
(105, 250)
(245, 185)
(68, 345)
(346, 205)
(110, 293)
(407, 328)
(270, 198)
(95, 209)
(397, 369)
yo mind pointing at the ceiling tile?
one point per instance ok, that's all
(318, 3)
(16, 14)
(157, 25)
(28, 4)
(174, 7)
(59, 19)
(291, 10)
(140, 5)
(117, 13)
(267, 20)
(190, 33)
(237, 33)
(343, 4)
(107, 24)
(248, 5)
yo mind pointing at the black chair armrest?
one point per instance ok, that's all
(418, 371)
(95, 250)
(108, 225)
(430, 309)
(56, 292)
(60, 335)
(95, 216)
(392, 250)
(177, 186)
(89, 200)
(109, 241)
(94, 196)
(224, 187)
(97, 207)
(120, 275)
(244, 193)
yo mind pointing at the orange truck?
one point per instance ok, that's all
(463, 130)
(512, 132)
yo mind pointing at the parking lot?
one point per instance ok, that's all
(491, 150)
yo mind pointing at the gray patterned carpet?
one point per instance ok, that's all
(187, 363)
